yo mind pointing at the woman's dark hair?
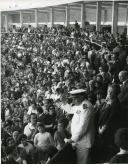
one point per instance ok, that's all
(20, 137)
(64, 121)
(92, 98)
(41, 124)
(39, 109)
(121, 138)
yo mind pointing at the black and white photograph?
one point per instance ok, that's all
(64, 81)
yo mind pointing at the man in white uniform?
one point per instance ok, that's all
(82, 127)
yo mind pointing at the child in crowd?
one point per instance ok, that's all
(61, 133)
(42, 140)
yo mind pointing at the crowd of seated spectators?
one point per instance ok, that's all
(39, 66)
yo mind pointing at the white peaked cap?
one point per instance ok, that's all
(77, 91)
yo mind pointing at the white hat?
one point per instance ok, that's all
(77, 91)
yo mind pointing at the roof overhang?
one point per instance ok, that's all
(12, 5)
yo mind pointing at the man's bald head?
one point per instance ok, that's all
(123, 75)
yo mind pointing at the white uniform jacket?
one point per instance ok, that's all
(82, 125)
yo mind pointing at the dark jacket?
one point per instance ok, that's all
(65, 156)
(123, 96)
(119, 158)
(110, 116)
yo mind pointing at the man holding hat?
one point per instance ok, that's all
(82, 127)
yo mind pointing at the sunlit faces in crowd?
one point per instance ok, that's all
(41, 128)
(15, 135)
(33, 119)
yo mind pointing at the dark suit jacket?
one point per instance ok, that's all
(65, 156)
(123, 96)
(41, 118)
(119, 158)
(110, 116)
(122, 55)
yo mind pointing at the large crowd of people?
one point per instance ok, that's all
(39, 68)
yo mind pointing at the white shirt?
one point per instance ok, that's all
(29, 130)
(43, 140)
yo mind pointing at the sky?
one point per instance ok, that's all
(25, 4)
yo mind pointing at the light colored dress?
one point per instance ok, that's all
(42, 140)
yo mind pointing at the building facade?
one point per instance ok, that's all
(102, 14)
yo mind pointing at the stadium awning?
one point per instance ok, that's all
(12, 5)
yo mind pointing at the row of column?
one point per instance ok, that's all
(127, 20)
(83, 16)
